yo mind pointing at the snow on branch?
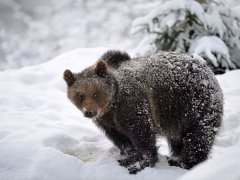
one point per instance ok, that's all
(208, 28)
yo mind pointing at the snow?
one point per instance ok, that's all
(32, 31)
(220, 168)
(198, 58)
(180, 25)
(164, 9)
(35, 31)
(43, 136)
(207, 45)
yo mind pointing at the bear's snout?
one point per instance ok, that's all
(89, 113)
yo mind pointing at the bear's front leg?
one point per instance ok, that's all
(130, 157)
(145, 144)
(125, 146)
(135, 122)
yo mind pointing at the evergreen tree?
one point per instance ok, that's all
(206, 28)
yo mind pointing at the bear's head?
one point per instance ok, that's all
(92, 90)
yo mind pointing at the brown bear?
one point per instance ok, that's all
(135, 99)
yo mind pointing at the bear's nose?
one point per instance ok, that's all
(89, 114)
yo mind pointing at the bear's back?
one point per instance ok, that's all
(170, 82)
(166, 69)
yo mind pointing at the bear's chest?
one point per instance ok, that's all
(109, 120)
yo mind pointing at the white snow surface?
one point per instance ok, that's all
(44, 137)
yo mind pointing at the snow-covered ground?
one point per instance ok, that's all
(44, 137)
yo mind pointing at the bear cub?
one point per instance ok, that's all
(133, 100)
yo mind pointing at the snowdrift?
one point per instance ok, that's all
(44, 137)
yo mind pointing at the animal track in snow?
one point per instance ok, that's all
(86, 149)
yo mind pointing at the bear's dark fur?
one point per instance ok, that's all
(133, 100)
(115, 58)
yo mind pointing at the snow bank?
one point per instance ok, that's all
(44, 137)
(220, 168)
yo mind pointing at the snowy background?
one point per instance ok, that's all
(35, 31)
(42, 135)
(32, 32)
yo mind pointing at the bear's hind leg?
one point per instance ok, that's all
(175, 146)
(176, 149)
(198, 139)
(197, 146)
(199, 135)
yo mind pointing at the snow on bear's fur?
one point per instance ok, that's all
(133, 100)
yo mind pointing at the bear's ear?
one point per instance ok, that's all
(101, 68)
(68, 77)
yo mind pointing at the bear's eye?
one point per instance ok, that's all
(81, 98)
(95, 95)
